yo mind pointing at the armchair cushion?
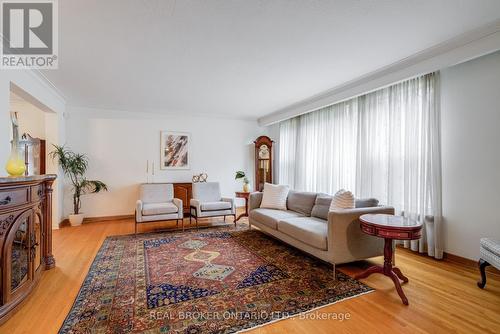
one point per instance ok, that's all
(213, 206)
(151, 209)
(156, 192)
(207, 191)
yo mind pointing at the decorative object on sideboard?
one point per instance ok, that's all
(75, 166)
(174, 150)
(202, 177)
(246, 184)
(15, 164)
(263, 162)
(33, 150)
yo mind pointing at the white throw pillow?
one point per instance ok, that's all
(343, 199)
(274, 196)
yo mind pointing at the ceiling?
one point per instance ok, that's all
(240, 59)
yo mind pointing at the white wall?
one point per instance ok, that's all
(44, 97)
(119, 143)
(31, 119)
(470, 106)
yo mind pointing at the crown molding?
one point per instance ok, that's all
(44, 81)
(462, 48)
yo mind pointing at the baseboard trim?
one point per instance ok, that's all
(106, 218)
(87, 220)
(472, 264)
(468, 262)
(459, 259)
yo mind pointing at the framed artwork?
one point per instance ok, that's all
(174, 150)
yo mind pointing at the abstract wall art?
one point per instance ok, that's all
(174, 150)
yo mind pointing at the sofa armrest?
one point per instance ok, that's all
(178, 203)
(230, 200)
(254, 200)
(138, 211)
(346, 241)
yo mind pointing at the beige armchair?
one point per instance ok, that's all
(156, 202)
(208, 202)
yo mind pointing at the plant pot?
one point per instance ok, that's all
(76, 220)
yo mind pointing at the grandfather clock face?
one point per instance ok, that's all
(263, 152)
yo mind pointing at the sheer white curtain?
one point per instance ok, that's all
(384, 144)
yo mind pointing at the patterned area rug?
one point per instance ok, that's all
(218, 280)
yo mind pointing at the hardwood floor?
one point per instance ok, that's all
(443, 295)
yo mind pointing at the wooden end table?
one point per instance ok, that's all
(390, 228)
(245, 195)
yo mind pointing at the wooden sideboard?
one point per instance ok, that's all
(25, 237)
(184, 192)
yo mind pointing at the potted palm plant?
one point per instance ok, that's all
(74, 166)
(241, 175)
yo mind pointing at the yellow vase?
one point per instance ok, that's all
(15, 165)
(246, 187)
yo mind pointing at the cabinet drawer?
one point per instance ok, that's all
(368, 229)
(37, 192)
(394, 234)
(13, 197)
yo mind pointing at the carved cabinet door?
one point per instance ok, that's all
(18, 254)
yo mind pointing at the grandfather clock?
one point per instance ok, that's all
(263, 162)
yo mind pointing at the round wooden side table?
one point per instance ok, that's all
(390, 228)
(245, 195)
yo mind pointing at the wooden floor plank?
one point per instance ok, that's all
(443, 295)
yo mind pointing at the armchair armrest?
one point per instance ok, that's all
(197, 204)
(346, 241)
(178, 203)
(230, 200)
(138, 211)
(254, 200)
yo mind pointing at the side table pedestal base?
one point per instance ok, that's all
(388, 270)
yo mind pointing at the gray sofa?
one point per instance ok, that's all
(307, 224)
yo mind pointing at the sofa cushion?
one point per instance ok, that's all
(309, 230)
(274, 196)
(271, 217)
(321, 206)
(366, 202)
(213, 206)
(150, 209)
(301, 202)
